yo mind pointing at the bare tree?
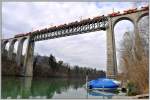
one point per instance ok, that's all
(134, 57)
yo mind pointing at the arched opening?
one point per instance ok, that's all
(15, 47)
(142, 16)
(143, 28)
(7, 46)
(122, 27)
(122, 19)
(24, 46)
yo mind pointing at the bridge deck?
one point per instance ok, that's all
(68, 30)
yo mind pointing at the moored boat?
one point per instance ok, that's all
(103, 84)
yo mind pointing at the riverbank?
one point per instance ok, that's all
(141, 96)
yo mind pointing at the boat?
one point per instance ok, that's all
(103, 84)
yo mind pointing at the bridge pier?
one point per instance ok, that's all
(28, 61)
(111, 52)
(19, 51)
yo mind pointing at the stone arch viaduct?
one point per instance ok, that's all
(96, 24)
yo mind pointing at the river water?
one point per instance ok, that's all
(46, 88)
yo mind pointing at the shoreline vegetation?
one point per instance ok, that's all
(44, 66)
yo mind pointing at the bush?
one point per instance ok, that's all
(132, 89)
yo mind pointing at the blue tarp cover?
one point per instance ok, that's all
(103, 83)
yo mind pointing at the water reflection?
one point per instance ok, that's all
(19, 87)
(101, 94)
(46, 88)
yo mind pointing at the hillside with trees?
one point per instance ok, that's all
(44, 66)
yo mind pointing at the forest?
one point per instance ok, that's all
(44, 66)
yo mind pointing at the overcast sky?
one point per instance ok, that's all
(86, 49)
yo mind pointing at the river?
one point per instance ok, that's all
(46, 88)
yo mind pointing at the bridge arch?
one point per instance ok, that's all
(112, 69)
(120, 29)
(122, 18)
(142, 15)
(12, 42)
(134, 18)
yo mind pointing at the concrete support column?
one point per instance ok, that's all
(19, 52)
(28, 61)
(10, 50)
(111, 52)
